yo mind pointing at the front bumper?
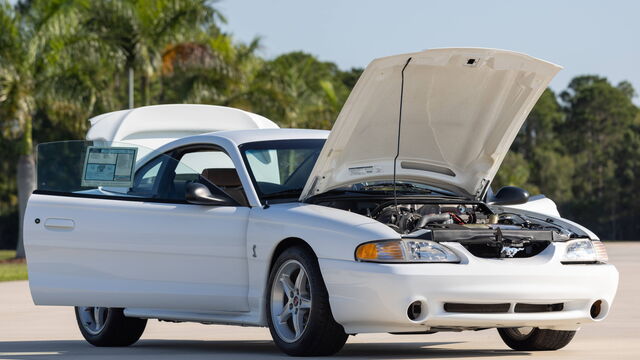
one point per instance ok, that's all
(374, 297)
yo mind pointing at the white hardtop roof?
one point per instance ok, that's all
(239, 137)
(154, 126)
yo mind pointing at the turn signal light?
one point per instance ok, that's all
(383, 250)
(406, 251)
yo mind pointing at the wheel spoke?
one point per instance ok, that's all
(96, 318)
(284, 315)
(301, 281)
(101, 318)
(298, 325)
(287, 286)
(305, 303)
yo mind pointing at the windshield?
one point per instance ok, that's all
(280, 169)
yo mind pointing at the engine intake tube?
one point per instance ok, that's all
(433, 218)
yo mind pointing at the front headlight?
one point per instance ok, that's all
(585, 251)
(406, 251)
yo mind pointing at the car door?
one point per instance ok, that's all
(147, 248)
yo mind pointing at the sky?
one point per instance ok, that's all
(585, 37)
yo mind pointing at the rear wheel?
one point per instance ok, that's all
(102, 326)
(535, 339)
(298, 310)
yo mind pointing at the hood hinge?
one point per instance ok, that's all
(482, 189)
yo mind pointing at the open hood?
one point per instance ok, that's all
(444, 117)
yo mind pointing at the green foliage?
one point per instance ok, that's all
(11, 271)
(515, 171)
(7, 254)
(584, 155)
(298, 90)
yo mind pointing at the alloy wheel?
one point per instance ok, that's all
(93, 318)
(290, 301)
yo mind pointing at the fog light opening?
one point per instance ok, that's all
(416, 311)
(596, 309)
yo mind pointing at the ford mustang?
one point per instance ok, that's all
(385, 224)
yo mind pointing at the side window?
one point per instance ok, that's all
(209, 167)
(146, 181)
(102, 169)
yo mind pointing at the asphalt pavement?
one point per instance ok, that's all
(47, 332)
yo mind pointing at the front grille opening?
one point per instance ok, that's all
(534, 308)
(476, 308)
(493, 250)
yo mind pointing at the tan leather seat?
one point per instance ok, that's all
(227, 180)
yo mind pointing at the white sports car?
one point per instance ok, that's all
(385, 224)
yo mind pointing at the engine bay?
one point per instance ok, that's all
(473, 224)
(406, 218)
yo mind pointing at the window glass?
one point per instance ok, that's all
(146, 179)
(104, 169)
(211, 167)
(89, 167)
(281, 168)
(200, 160)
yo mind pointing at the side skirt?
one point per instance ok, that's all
(219, 318)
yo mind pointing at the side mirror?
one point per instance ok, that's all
(200, 194)
(510, 195)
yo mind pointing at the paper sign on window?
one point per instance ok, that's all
(111, 166)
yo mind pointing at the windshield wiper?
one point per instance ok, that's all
(283, 193)
(400, 186)
(343, 191)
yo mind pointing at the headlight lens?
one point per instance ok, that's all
(406, 251)
(585, 251)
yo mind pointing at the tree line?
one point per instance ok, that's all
(64, 61)
(581, 148)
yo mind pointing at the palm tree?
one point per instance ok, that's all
(137, 32)
(211, 69)
(31, 36)
(298, 90)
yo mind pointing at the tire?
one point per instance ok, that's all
(316, 333)
(536, 339)
(111, 329)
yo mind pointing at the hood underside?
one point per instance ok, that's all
(444, 117)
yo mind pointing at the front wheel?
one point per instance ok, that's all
(102, 326)
(298, 310)
(535, 339)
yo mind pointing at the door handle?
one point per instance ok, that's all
(59, 224)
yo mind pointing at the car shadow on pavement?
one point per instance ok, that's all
(419, 350)
(241, 349)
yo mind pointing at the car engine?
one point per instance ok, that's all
(472, 224)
